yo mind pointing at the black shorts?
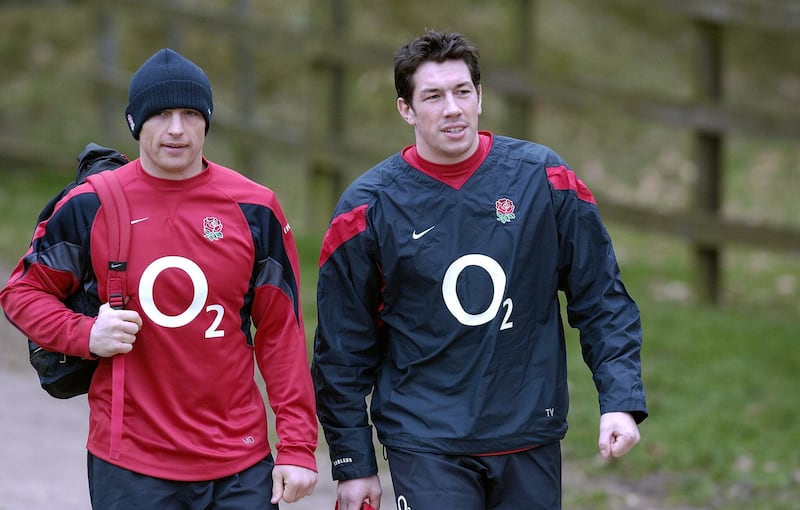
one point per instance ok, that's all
(114, 488)
(530, 479)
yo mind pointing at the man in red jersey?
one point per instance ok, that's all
(212, 255)
(438, 297)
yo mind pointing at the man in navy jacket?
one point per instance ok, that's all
(438, 295)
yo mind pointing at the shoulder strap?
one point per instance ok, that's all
(115, 207)
(118, 220)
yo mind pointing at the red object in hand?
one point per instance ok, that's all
(364, 506)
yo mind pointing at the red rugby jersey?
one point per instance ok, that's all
(214, 274)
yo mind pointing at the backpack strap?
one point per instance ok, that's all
(115, 207)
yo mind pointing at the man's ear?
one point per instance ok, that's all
(406, 111)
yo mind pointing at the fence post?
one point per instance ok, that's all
(247, 146)
(328, 111)
(107, 63)
(708, 156)
(175, 29)
(519, 105)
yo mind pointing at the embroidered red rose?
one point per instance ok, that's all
(505, 210)
(212, 228)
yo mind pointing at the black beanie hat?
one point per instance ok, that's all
(167, 80)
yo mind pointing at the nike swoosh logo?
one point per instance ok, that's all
(139, 220)
(415, 235)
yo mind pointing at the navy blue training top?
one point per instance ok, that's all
(442, 302)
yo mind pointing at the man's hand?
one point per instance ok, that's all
(351, 494)
(292, 483)
(618, 434)
(114, 331)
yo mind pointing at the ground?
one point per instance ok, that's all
(43, 460)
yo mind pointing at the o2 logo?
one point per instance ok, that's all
(498, 276)
(199, 296)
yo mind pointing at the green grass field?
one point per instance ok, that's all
(722, 389)
(722, 383)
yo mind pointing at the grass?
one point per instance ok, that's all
(22, 196)
(722, 389)
(722, 394)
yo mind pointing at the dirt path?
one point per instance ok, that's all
(43, 460)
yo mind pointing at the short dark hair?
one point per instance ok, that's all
(437, 47)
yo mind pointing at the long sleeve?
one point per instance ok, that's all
(52, 270)
(280, 340)
(346, 349)
(598, 304)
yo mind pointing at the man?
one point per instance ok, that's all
(212, 253)
(438, 295)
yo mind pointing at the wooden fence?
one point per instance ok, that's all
(331, 55)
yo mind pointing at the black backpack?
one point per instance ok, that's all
(60, 375)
